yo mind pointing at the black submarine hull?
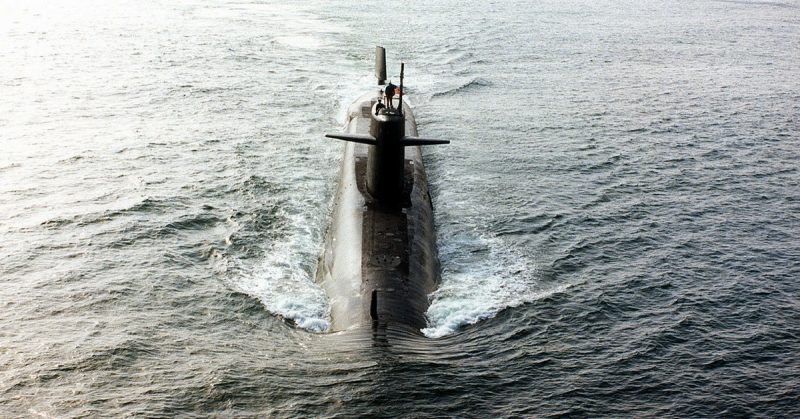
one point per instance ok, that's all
(379, 264)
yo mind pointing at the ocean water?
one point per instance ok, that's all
(618, 213)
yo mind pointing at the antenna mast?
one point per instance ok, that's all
(400, 100)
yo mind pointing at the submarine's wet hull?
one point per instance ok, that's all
(380, 262)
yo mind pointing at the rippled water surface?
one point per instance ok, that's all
(618, 213)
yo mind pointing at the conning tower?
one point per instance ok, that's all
(387, 139)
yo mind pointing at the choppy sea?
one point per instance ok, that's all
(618, 213)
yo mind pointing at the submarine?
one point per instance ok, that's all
(380, 261)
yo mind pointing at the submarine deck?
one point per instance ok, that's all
(398, 266)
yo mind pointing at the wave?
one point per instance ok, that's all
(147, 205)
(477, 82)
(284, 282)
(482, 277)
